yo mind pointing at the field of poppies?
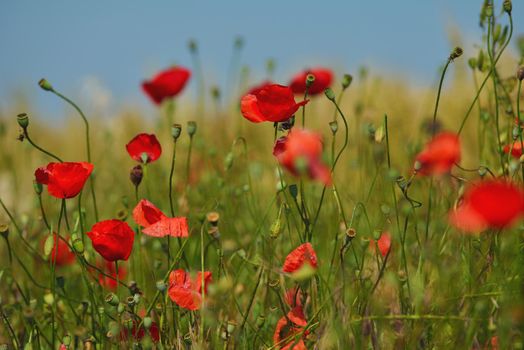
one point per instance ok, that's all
(318, 211)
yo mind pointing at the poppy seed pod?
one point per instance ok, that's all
(456, 53)
(333, 126)
(192, 45)
(508, 6)
(136, 175)
(191, 128)
(346, 81)
(112, 299)
(310, 79)
(176, 129)
(45, 85)
(23, 120)
(520, 73)
(212, 218)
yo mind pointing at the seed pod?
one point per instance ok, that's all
(45, 85)
(176, 130)
(23, 120)
(191, 128)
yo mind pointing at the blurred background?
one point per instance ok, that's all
(99, 52)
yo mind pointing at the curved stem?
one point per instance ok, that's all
(26, 135)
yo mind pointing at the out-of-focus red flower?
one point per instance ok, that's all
(61, 255)
(293, 297)
(184, 291)
(302, 148)
(287, 332)
(383, 243)
(323, 80)
(113, 239)
(166, 84)
(156, 223)
(516, 150)
(64, 180)
(144, 143)
(138, 335)
(270, 103)
(489, 204)
(258, 87)
(303, 254)
(439, 155)
(109, 268)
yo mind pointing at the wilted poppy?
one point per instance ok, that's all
(323, 80)
(113, 239)
(144, 144)
(156, 223)
(516, 149)
(383, 243)
(109, 268)
(270, 103)
(301, 152)
(60, 254)
(184, 291)
(489, 204)
(137, 335)
(439, 155)
(166, 84)
(289, 331)
(64, 180)
(303, 254)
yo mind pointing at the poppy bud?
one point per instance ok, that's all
(66, 340)
(122, 214)
(112, 299)
(274, 231)
(508, 6)
(120, 308)
(4, 230)
(161, 286)
(228, 161)
(23, 120)
(456, 53)
(191, 128)
(330, 94)
(346, 81)
(488, 10)
(520, 73)
(472, 63)
(231, 325)
(38, 187)
(192, 45)
(78, 245)
(293, 190)
(45, 85)
(176, 129)
(333, 126)
(215, 92)
(147, 322)
(136, 175)
(260, 321)
(212, 218)
(310, 79)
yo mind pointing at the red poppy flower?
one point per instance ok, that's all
(383, 243)
(144, 143)
(286, 332)
(139, 334)
(109, 268)
(516, 150)
(258, 87)
(61, 255)
(293, 297)
(166, 84)
(439, 155)
(113, 239)
(303, 254)
(156, 223)
(302, 148)
(270, 103)
(323, 80)
(489, 204)
(64, 180)
(185, 292)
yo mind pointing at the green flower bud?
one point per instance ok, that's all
(161, 286)
(472, 63)
(191, 128)
(330, 94)
(293, 190)
(508, 6)
(45, 85)
(147, 322)
(78, 246)
(112, 299)
(38, 187)
(346, 81)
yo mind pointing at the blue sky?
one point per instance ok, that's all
(114, 45)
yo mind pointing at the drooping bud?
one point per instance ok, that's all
(293, 190)
(176, 130)
(329, 94)
(23, 120)
(136, 175)
(456, 53)
(191, 128)
(45, 85)
(346, 81)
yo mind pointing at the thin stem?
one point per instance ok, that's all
(26, 135)
(188, 161)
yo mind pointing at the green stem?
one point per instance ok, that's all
(26, 135)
